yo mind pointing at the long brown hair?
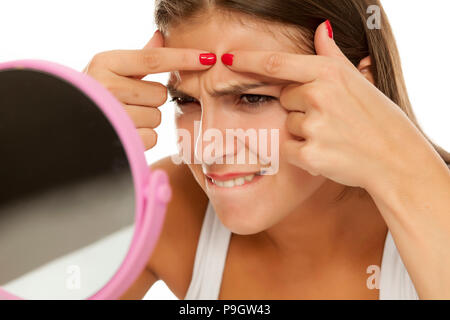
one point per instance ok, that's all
(351, 32)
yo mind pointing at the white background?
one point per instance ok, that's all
(71, 32)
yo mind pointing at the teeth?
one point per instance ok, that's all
(249, 178)
(228, 184)
(239, 181)
(234, 182)
(219, 183)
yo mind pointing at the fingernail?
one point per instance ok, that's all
(330, 29)
(227, 59)
(208, 59)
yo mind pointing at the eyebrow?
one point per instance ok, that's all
(233, 89)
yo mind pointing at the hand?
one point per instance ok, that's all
(121, 71)
(342, 126)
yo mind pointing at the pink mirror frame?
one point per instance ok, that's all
(152, 189)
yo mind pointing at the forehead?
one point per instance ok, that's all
(220, 32)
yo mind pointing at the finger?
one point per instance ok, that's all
(156, 41)
(290, 98)
(325, 44)
(148, 136)
(138, 92)
(155, 60)
(308, 97)
(300, 154)
(295, 124)
(279, 65)
(144, 117)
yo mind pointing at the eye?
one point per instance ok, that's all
(248, 100)
(181, 101)
(185, 104)
(255, 100)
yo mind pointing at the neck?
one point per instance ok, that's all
(323, 226)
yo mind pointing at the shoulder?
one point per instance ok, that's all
(173, 257)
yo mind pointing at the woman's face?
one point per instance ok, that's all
(267, 199)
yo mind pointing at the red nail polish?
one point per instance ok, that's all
(208, 59)
(227, 59)
(330, 29)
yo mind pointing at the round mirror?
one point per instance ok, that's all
(74, 189)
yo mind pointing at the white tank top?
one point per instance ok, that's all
(212, 249)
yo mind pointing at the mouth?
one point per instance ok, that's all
(233, 180)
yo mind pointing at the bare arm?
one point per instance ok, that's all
(416, 207)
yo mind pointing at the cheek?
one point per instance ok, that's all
(185, 126)
(197, 172)
(293, 185)
(296, 184)
(272, 132)
(185, 131)
(186, 120)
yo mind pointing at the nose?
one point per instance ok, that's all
(221, 132)
(215, 142)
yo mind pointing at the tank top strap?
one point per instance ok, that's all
(210, 258)
(395, 283)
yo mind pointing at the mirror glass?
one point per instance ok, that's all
(67, 200)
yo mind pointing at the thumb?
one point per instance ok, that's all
(325, 44)
(156, 41)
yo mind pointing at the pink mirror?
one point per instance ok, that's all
(80, 210)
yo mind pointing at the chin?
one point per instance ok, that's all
(241, 220)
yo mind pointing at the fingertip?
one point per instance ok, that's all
(156, 41)
(329, 29)
(228, 59)
(149, 137)
(208, 59)
(324, 33)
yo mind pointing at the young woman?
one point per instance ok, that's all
(359, 207)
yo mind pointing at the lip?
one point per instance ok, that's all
(229, 176)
